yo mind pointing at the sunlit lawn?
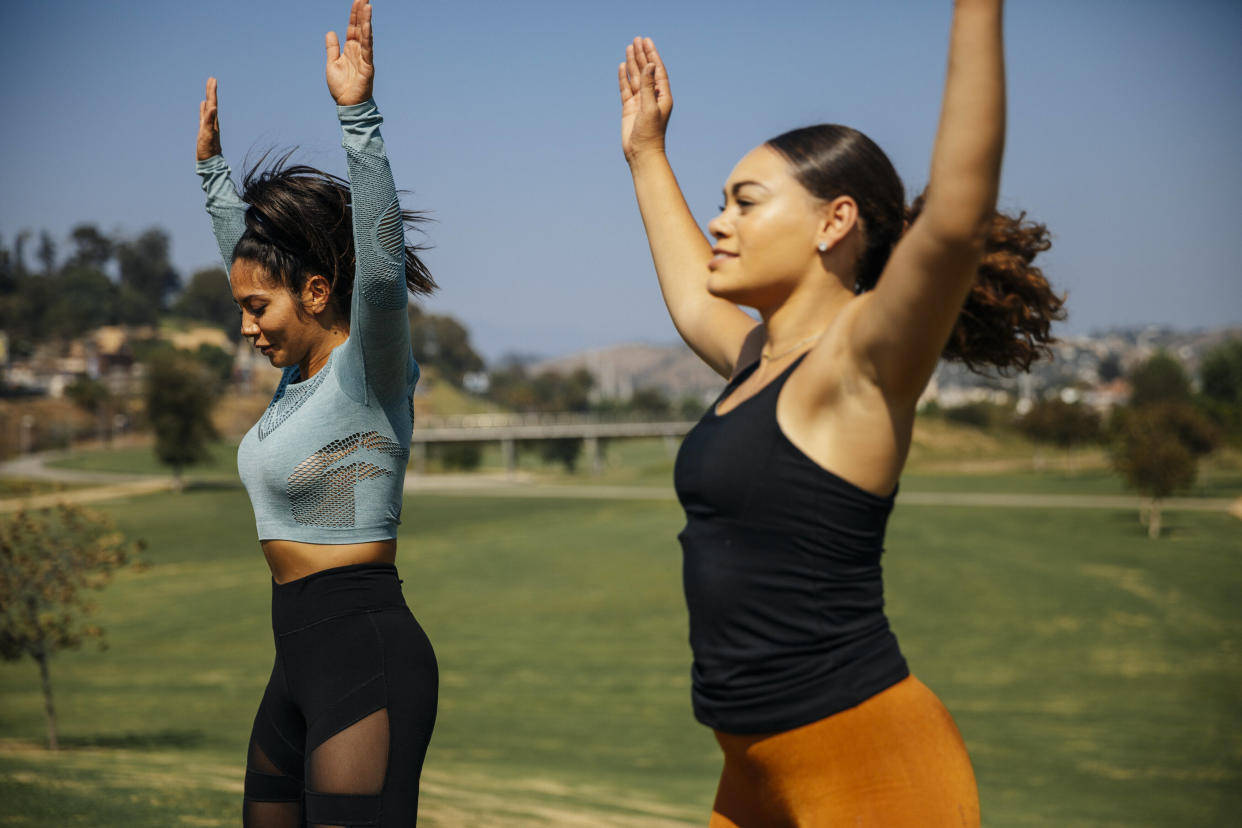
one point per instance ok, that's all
(1095, 673)
(649, 462)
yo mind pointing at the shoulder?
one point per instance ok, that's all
(835, 367)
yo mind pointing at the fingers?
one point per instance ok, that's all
(356, 16)
(366, 34)
(624, 82)
(661, 74)
(208, 108)
(333, 46)
(631, 68)
(648, 90)
(640, 55)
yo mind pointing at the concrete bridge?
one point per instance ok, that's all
(508, 429)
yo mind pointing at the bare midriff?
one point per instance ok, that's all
(290, 560)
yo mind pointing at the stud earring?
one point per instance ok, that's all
(822, 247)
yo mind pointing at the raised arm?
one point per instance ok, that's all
(377, 359)
(227, 210)
(903, 325)
(714, 328)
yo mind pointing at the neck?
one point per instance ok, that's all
(317, 356)
(803, 317)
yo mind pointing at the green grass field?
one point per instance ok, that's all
(649, 462)
(1096, 675)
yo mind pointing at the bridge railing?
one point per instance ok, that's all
(509, 429)
(502, 420)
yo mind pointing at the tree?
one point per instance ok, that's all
(207, 298)
(1110, 368)
(47, 253)
(82, 298)
(147, 272)
(548, 391)
(180, 395)
(48, 562)
(1157, 452)
(91, 248)
(1221, 373)
(443, 342)
(1061, 424)
(565, 451)
(215, 359)
(464, 456)
(1160, 379)
(650, 402)
(88, 394)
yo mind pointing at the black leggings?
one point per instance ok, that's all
(343, 727)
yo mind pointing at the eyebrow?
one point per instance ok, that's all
(739, 185)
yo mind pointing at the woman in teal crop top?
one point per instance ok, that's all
(321, 272)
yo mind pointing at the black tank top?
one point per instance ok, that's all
(782, 575)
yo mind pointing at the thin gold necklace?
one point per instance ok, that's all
(794, 347)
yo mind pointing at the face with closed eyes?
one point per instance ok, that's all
(768, 232)
(270, 316)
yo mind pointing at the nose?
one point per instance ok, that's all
(249, 325)
(718, 227)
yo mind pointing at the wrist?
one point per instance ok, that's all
(639, 159)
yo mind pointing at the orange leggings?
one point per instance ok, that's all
(895, 760)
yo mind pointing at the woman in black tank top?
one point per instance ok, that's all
(789, 479)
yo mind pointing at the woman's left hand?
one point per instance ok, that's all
(350, 72)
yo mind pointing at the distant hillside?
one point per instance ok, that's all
(621, 369)
(1078, 360)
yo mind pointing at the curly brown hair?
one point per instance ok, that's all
(1005, 322)
(1007, 317)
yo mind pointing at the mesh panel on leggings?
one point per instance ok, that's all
(381, 270)
(321, 494)
(347, 775)
(273, 799)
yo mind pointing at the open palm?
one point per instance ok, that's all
(350, 71)
(646, 99)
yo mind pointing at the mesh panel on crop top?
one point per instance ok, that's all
(389, 235)
(323, 495)
(289, 398)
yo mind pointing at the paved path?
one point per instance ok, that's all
(95, 486)
(99, 486)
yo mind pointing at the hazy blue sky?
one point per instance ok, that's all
(502, 119)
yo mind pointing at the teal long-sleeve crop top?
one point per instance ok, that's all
(326, 461)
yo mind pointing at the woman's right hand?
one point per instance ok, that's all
(646, 100)
(208, 124)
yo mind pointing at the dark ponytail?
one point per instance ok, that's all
(300, 223)
(1005, 321)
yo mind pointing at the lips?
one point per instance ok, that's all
(719, 257)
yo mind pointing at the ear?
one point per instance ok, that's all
(837, 219)
(316, 293)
